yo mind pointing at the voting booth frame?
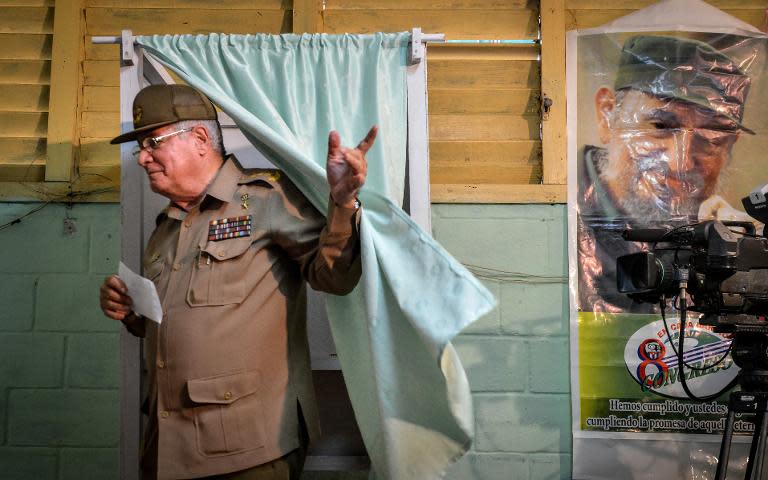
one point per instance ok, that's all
(341, 447)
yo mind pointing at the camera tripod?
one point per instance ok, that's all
(749, 352)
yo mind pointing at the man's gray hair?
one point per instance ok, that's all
(214, 132)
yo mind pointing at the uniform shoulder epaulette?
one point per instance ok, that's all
(270, 176)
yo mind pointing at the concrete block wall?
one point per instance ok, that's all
(59, 411)
(517, 357)
(59, 356)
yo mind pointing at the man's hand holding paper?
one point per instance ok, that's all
(120, 294)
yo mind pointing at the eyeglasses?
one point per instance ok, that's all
(152, 143)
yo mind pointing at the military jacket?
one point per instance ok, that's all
(229, 367)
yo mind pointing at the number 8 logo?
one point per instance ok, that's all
(652, 352)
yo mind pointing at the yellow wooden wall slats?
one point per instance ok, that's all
(512, 153)
(25, 71)
(24, 98)
(26, 20)
(553, 124)
(97, 159)
(110, 21)
(27, 3)
(581, 19)
(95, 152)
(483, 102)
(487, 74)
(103, 73)
(483, 127)
(457, 24)
(512, 162)
(19, 150)
(520, 101)
(25, 46)
(99, 124)
(107, 172)
(483, 114)
(484, 98)
(306, 16)
(65, 89)
(101, 99)
(490, 174)
(496, 193)
(101, 52)
(197, 4)
(23, 124)
(426, 4)
(24, 172)
(23, 159)
(25, 76)
(483, 51)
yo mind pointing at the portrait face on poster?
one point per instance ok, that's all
(671, 131)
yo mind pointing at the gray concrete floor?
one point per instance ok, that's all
(351, 475)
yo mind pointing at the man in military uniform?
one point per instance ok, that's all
(230, 388)
(668, 127)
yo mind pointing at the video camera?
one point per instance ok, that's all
(724, 271)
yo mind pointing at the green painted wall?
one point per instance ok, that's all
(59, 370)
(59, 356)
(517, 357)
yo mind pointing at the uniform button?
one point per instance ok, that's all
(187, 223)
(160, 364)
(164, 414)
(227, 395)
(221, 254)
(176, 267)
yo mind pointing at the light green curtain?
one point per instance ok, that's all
(393, 333)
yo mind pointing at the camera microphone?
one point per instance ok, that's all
(756, 204)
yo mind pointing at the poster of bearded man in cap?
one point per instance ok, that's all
(669, 134)
(671, 131)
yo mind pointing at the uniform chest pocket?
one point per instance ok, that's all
(218, 276)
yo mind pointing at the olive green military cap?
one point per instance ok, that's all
(159, 105)
(687, 70)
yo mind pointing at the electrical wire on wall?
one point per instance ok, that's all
(68, 198)
(504, 276)
(48, 197)
(18, 219)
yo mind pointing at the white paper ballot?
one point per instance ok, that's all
(143, 293)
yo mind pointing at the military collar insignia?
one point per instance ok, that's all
(232, 227)
(254, 175)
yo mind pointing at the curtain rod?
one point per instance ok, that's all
(112, 39)
(126, 41)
